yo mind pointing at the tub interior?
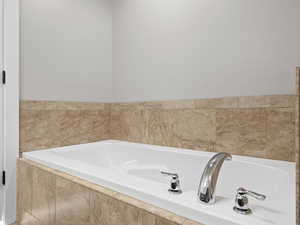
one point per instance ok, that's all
(146, 164)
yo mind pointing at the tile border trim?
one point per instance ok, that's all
(276, 101)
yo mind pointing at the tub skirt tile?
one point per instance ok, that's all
(24, 189)
(72, 203)
(146, 218)
(27, 219)
(150, 209)
(107, 211)
(43, 196)
(161, 221)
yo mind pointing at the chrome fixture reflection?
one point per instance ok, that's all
(209, 179)
(175, 183)
(241, 200)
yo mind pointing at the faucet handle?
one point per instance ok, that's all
(241, 200)
(174, 175)
(175, 183)
(243, 191)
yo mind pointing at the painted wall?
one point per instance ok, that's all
(66, 50)
(133, 50)
(175, 49)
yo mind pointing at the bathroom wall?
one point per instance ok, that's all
(162, 50)
(46, 124)
(66, 50)
(174, 49)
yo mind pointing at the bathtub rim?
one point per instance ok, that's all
(285, 165)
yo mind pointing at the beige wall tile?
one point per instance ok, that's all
(230, 102)
(158, 130)
(121, 106)
(280, 142)
(87, 118)
(72, 128)
(283, 101)
(38, 130)
(267, 133)
(72, 203)
(241, 131)
(279, 101)
(60, 105)
(100, 129)
(189, 128)
(128, 124)
(84, 126)
(43, 196)
(254, 101)
(37, 105)
(42, 128)
(152, 105)
(86, 105)
(194, 129)
(180, 104)
(194, 124)
(106, 211)
(171, 123)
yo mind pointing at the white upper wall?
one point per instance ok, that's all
(87, 50)
(66, 51)
(177, 49)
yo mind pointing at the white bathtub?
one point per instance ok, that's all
(134, 169)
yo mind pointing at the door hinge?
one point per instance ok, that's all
(3, 177)
(3, 77)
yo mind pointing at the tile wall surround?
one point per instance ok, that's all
(47, 124)
(50, 197)
(261, 126)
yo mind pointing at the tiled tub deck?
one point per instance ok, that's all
(49, 197)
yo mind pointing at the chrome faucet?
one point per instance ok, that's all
(208, 182)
